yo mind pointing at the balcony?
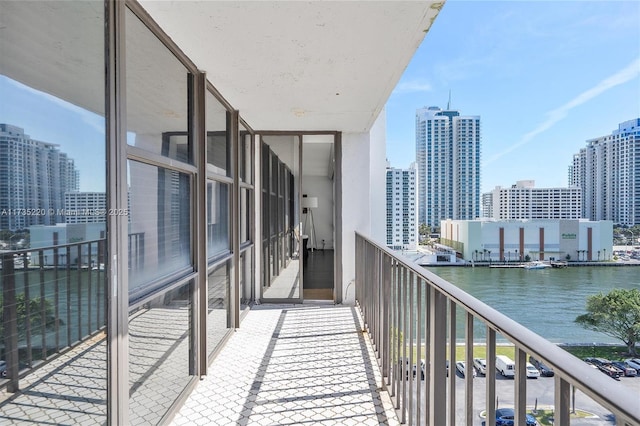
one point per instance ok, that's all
(324, 363)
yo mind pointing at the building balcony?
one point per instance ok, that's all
(382, 361)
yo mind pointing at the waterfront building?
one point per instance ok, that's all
(607, 171)
(515, 240)
(524, 201)
(85, 207)
(34, 176)
(402, 225)
(448, 157)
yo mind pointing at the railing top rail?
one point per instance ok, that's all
(58, 246)
(592, 382)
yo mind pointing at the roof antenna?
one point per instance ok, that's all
(449, 103)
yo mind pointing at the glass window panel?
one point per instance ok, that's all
(246, 276)
(157, 95)
(218, 284)
(218, 144)
(159, 350)
(245, 214)
(218, 214)
(159, 228)
(52, 143)
(246, 155)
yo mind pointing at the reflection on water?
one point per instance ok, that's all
(546, 301)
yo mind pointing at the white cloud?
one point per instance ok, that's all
(629, 72)
(412, 87)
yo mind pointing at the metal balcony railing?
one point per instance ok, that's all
(53, 298)
(411, 315)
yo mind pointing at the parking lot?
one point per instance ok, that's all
(542, 390)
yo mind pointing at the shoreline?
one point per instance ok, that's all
(500, 265)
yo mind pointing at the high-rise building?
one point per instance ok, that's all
(608, 171)
(524, 201)
(402, 226)
(34, 177)
(85, 207)
(448, 156)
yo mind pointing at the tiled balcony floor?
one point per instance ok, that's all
(292, 364)
(287, 364)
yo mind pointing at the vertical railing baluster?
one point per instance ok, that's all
(386, 319)
(561, 399)
(400, 369)
(89, 290)
(490, 377)
(376, 303)
(27, 298)
(520, 387)
(427, 349)
(405, 367)
(79, 293)
(56, 292)
(412, 363)
(394, 331)
(468, 369)
(452, 363)
(419, 366)
(438, 349)
(10, 322)
(68, 269)
(43, 309)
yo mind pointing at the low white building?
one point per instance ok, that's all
(524, 201)
(514, 240)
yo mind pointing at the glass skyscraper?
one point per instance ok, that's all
(448, 157)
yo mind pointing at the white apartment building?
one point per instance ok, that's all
(608, 171)
(85, 207)
(518, 240)
(487, 205)
(402, 225)
(34, 177)
(524, 201)
(448, 157)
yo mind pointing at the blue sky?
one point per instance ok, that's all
(78, 133)
(544, 76)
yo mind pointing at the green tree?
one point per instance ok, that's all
(616, 314)
(35, 315)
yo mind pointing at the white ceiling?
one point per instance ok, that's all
(300, 65)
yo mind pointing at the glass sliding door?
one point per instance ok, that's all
(161, 178)
(281, 237)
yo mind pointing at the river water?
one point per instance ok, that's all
(547, 301)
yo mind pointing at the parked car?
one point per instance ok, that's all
(460, 366)
(480, 364)
(626, 370)
(506, 417)
(3, 369)
(413, 369)
(631, 363)
(544, 370)
(532, 372)
(606, 367)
